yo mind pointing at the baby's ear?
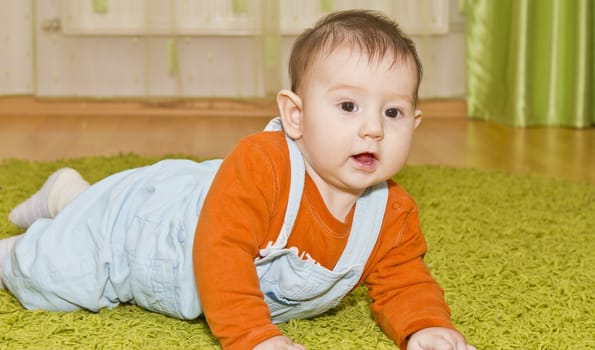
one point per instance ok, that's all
(290, 107)
(418, 117)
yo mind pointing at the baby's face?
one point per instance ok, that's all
(358, 119)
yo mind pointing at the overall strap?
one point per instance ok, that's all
(296, 188)
(365, 229)
(296, 184)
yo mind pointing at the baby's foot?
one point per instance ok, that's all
(58, 190)
(69, 184)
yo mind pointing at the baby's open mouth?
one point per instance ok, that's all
(367, 160)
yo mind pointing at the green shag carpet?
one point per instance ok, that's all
(515, 256)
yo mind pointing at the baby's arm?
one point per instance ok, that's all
(407, 302)
(234, 224)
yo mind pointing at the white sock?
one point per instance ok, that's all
(69, 184)
(6, 246)
(58, 190)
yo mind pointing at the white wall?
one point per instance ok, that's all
(16, 47)
(44, 51)
(443, 57)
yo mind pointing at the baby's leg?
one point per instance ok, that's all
(6, 246)
(65, 263)
(58, 190)
(107, 246)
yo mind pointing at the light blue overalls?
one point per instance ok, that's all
(129, 238)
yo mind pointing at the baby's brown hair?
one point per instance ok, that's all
(371, 32)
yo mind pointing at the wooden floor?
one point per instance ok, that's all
(48, 130)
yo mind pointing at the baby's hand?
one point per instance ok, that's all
(280, 342)
(438, 338)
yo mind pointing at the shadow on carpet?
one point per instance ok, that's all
(515, 256)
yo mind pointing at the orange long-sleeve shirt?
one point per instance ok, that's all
(244, 210)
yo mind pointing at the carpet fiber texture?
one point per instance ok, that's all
(515, 256)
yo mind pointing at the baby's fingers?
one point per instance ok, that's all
(280, 342)
(462, 345)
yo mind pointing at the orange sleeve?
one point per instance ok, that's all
(405, 297)
(233, 224)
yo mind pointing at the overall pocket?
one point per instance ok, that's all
(290, 284)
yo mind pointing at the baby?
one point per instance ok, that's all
(295, 218)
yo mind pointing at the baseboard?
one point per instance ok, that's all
(444, 108)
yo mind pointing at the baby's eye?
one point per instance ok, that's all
(348, 106)
(392, 112)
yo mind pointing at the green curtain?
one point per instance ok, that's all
(531, 62)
